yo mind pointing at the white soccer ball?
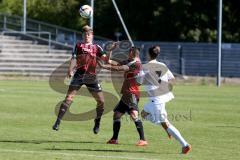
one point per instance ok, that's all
(86, 11)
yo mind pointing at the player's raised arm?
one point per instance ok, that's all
(106, 55)
(110, 61)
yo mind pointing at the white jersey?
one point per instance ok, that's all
(166, 96)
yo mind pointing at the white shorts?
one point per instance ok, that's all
(157, 112)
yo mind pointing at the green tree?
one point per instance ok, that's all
(149, 20)
(60, 12)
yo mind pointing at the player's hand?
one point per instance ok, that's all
(70, 74)
(110, 46)
(113, 46)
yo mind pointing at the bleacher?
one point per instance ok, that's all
(24, 57)
(27, 58)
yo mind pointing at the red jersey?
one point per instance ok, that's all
(86, 56)
(130, 84)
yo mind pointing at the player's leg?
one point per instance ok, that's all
(98, 96)
(177, 135)
(160, 115)
(72, 91)
(116, 127)
(131, 102)
(173, 131)
(147, 113)
(155, 113)
(139, 126)
(96, 90)
(151, 112)
(119, 110)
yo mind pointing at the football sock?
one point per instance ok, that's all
(97, 120)
(177, 135)
(116, 128)
(139, 126)
(63, 108)
(99, 112)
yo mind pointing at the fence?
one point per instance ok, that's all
(198, 59)
(58, 34)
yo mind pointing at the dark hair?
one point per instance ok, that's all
(154, 52)
(135, 51)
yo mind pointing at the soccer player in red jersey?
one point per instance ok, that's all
(86, 55)
(130, 96)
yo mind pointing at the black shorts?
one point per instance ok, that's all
(127, 103)
(90, 81)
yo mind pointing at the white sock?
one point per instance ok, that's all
(177, 135)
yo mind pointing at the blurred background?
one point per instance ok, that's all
(186, 30)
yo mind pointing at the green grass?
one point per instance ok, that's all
(27, 114)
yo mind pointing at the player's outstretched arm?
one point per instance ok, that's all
(112, 62)
(113, 68)
(107, 60)
(117, 68)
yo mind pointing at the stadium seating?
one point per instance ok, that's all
(27, 58)
(23, 57)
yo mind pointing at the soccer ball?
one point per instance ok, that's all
(86, 11)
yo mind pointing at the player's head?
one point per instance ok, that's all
(87, 33)
(133, 53)
(153, 52)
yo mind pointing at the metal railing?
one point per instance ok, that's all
(30, 33)
(61, 35)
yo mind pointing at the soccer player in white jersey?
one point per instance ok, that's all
(157, 78)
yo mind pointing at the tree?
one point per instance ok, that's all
(60, 12)
(149, 20)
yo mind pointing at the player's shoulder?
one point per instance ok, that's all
(162, 63)
(154, 64)
(98, 47)
(79, 44)
(134, 63)
(157, 62)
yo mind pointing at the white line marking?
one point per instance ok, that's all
(74, 154)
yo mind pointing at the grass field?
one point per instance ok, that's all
(207, 116)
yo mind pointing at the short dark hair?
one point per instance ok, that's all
(154, 51)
